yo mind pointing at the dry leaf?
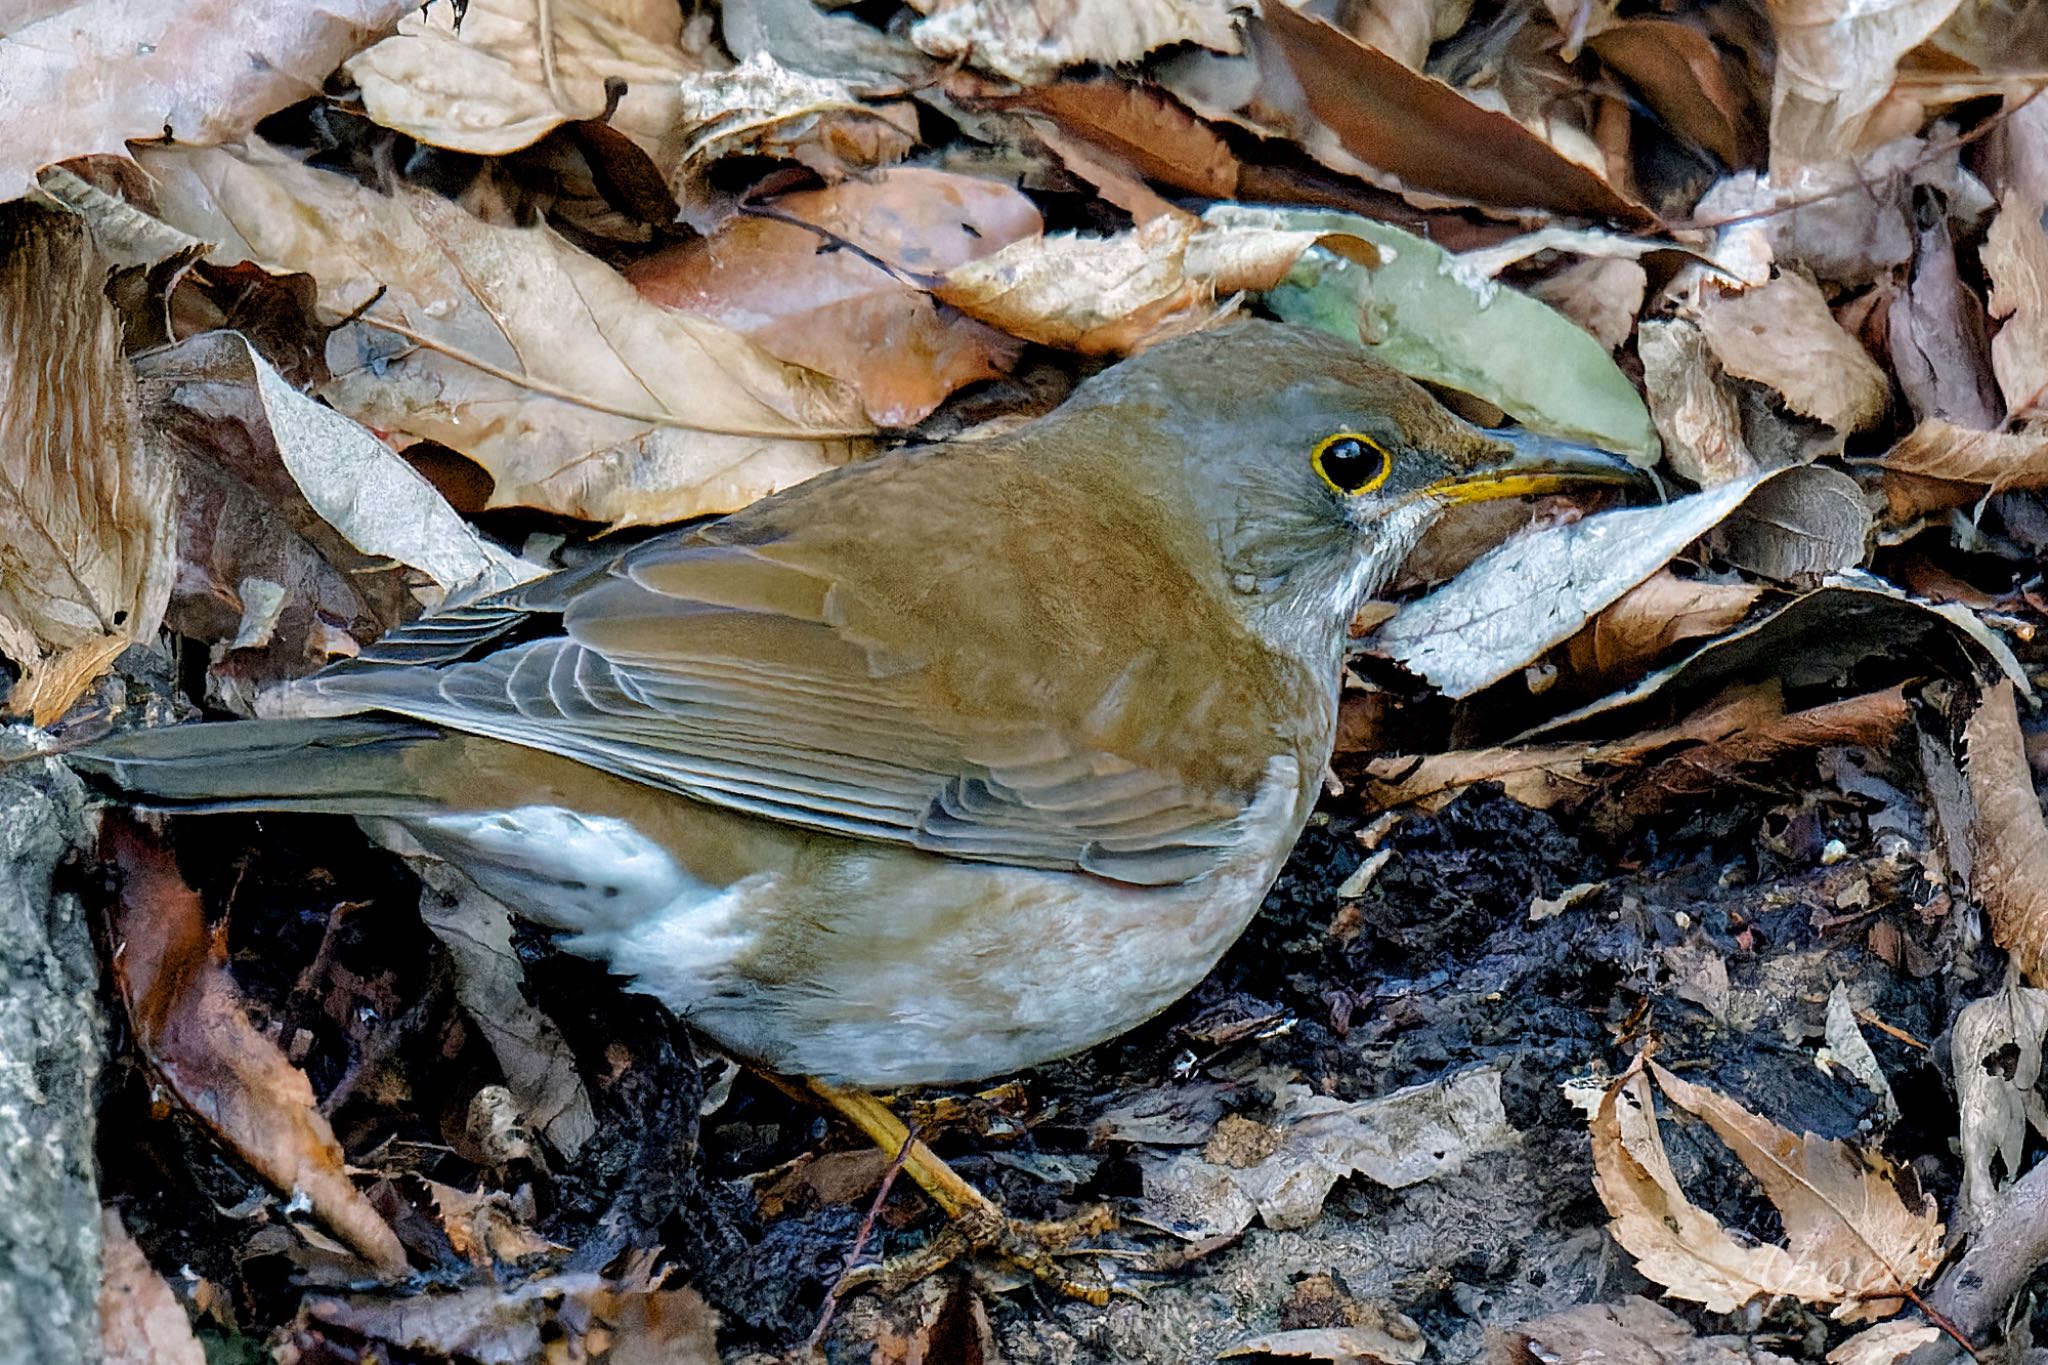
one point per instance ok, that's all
(509, 345)
(480, 83)
(483, 1229)
(1602, 295)
(2016, 258)
(1290, 1166)
(1632, 1332)
(1539, 589)
(1350, 1345)
(1139, 125)
(1783, 335)
(1849, 1213)
(190, 1027)
(844, 313)
(1836, 63)
(1030, 41)
(1696, 415)
(1888, 1343)
(1851, 1232)
(576, 1316)
(83, 77)
(1939, 346)
(1358, 109)
(1995, 1054)
(1645, 622)
(1799, 527)
(141, 1320)
(86, 511)
(763, 109)
(1110, 295)
(1702, 83)
(2007, 838)
(539, 1069)
(1941, 450)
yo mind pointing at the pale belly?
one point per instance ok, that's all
(867, 964)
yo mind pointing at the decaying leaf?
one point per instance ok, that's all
(1939, 346)
(1836, 63)
(1887, 1343)
(1646, 621)
(1030, 41)
(190, 1026)
(2016, 257)
(1141, 126)
(1434, 316)
(1108, 295)
(1783, 335)
(509, 345)
(141, 1320)
(2000, 459)
(79, 78)
(629, 1316)
(1541, 588)
(1995, 1053)
(1281, 1171)
(1853, 1230)
(760, 108)
(1696, 415)
(1632, 1332)
(1798, 527)
(2007, 839)
(844, 313)
(86, 515)
(1339, 1345)
(1603, 295)
(475, 77)
(483, 1229)
(540, 1071)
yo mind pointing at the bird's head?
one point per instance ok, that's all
(1304, 466)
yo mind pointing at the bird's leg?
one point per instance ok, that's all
(977, 1224)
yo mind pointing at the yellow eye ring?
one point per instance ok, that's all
(1352, 463)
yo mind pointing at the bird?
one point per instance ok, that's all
(930, 769)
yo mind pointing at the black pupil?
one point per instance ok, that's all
(1351, 463)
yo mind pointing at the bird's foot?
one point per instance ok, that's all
(1044, 1251)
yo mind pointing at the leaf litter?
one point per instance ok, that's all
(518, 272)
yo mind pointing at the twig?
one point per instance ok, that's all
(860, 1241)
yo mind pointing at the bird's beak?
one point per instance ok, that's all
(1534, 464)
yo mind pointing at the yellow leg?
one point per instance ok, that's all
(978, 1222)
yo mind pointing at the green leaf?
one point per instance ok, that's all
(1421, 314)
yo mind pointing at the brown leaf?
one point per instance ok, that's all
(625, 1321)
(191, 1028)
(1632, 1332)
(141, 1320)
(1848, 1212)
(1836, 63)
(481, 83)
(85, 500)
(2001, 459)
(2007, 839)
(841, 313)
(83, 77)
(1783, 335)
(1690, 401)
(1110, 295)
(1851, 1232)
(1602, 295)
(1635, 632)
(1030, 41)
(1694, 82)
(482, 1227)
(1939, 346)
(1418, 129)
(2016, 258)
(1140, 125)
(510, 346)
(1809, 522)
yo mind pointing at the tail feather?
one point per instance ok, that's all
(350, 765)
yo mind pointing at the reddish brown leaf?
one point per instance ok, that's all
(841, 313)
(190, 1026)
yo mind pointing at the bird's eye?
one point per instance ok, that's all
(1351, 463)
